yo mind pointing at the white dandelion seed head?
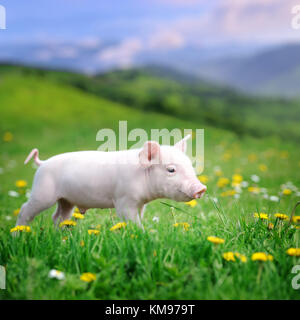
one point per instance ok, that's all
(13, 193)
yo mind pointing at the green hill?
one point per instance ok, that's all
(171, 93)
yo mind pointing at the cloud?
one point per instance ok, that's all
(166, 40)
(241, 21)
(121, 54)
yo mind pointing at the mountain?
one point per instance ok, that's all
(273, 72)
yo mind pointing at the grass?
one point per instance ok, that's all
(164, 262)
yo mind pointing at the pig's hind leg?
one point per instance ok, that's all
(63, 211)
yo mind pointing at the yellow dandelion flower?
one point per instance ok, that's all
(226, 156)
(78, 215)
(68, 223)
(16, 212)
(191, 203)
(296, 219)
(88, 277)
(281, 216)
(93, 231)
(228, 193)
(261, 256)
(215, 240)
(262, 167)
(8, 136)
(223, 182)
(252, 157)
(242, 257)
(255, 190)
(185, 225)
(118, 226)
(204, 179)
(270, 226)
(21, 229)
(237, 178)
(218, 172)
(284, 154)
(64, 238)
(286, 192)
(293, 252)
(82, 244)
(263, 216)
(77, 210)
(229, 256)
(21, 183)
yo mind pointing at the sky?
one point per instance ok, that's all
(123, 29)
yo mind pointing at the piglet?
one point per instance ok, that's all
(124, 180)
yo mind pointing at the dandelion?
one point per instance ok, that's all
(261, 256)
(215, 240)
(254, 190)
(263, 216)
(218, 172)
(229, 256)
(77, 210)
(293, 252)
(55, 274)
(203, 178)
(21, 229)
(226, 156)
(270, 226)
(118, 226)
(64, 239)
(286, 192)
(252, 157)
(296, 219)
(21, 183)
(78, 216)
(82, 244)
(263, 167)
(16, 212)
(237, 178)
(185, 225)
(223, 182)
(242, 257)
(228, 193)
(281, 216)
(68, 223)
(93, 231)
(88, 277)
(191, 203)
(8, 136)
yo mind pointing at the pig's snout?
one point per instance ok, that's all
(199, 191)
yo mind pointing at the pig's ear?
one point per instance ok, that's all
(182, 144)
(150, 154)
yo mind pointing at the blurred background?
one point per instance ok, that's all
(228, 64)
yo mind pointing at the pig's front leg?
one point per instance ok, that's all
(128, 211)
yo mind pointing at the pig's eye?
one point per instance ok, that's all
(171, 169)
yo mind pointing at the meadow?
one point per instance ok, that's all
(175, 258)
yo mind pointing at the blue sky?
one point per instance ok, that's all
(123, 30)
(224, 20)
